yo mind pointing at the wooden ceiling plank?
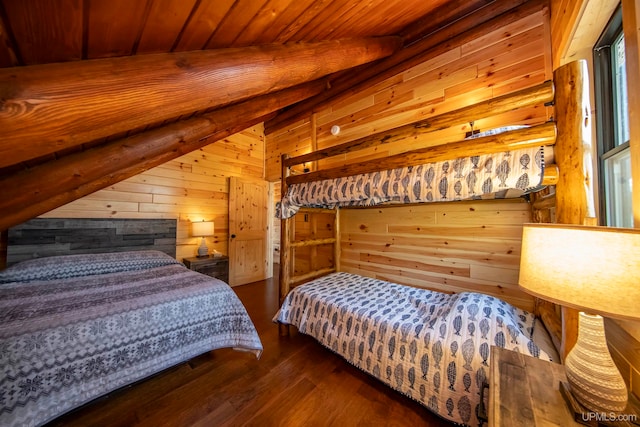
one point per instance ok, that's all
(326, 22)
(234, 23)
(45, 187)
(487, 19)
(163, 25)
(114, 27)
(202, 23)
(291, 14)
(304, 19)
(8, 46)
(46, 31)
(366, 18)
(386, 17)
(440, 17)
(256, 31)
(47, 108)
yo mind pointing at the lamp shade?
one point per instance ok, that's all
(202, 228)
(594, 269)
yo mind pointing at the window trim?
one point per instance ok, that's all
(604, 101)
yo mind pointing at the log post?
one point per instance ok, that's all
(337, 249)
(285, 245)
(574, 190)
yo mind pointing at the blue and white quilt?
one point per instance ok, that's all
(76, 327)
(488, 176)
(430, 346)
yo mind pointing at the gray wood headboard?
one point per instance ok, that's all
(41, 237)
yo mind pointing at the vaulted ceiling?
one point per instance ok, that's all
(95, 91)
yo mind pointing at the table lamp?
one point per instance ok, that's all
(594, 270)
(202, 229)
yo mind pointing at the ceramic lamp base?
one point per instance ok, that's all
(203, 250)
(595, 380)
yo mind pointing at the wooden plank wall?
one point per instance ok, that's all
(516, 56)
(313, 226)
(395, 243)
(451, 247)
(190, 188)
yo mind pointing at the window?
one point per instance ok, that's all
(612, 122)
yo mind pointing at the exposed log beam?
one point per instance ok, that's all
(47, 108)
(50, 185)
(490, 18)
(544, 134)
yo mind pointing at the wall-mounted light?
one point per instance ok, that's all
(335, 129)
(472, 132)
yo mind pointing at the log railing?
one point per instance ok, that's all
(544, 134)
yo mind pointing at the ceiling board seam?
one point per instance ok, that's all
(187, 21)
(143, 24)
(220, 24)
(10, 37)
(85, 29)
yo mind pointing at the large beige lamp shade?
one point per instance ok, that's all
(202, 229)
(595, 270)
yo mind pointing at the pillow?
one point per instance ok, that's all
(543, 340)
(66, 266)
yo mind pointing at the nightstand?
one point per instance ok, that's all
(217, 267)
(524, 391)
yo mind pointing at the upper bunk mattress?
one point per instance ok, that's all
(489, 176)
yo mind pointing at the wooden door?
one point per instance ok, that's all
(248, 230)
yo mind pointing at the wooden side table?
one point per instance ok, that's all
(217, 267)
(524, 391)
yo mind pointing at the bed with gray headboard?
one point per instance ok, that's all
(91, 305)
(43, 237)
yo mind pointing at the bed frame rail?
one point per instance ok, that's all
(544, 134)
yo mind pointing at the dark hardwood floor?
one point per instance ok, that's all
(296, 382)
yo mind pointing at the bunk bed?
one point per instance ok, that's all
(431, 346)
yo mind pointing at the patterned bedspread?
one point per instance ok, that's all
(500, 175)
(433, 347)
(74, 328)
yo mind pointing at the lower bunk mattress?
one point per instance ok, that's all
(432, 347)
